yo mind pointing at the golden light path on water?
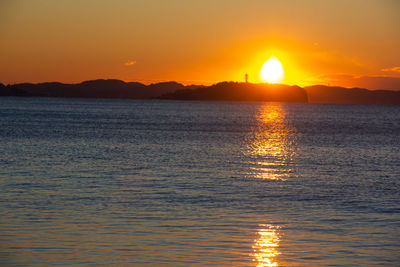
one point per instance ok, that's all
(270, 149)
(271, 144)
(265, 247)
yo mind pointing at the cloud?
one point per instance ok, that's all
(130, 63)
(394, 69)
(368, 82)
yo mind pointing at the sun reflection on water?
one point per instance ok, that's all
(265, 247)
(271, 143)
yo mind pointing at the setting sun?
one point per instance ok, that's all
(272, 71)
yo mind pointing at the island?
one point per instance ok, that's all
(223, 91)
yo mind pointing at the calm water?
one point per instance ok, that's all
(164, 183)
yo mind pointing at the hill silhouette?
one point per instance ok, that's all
(340, 95)
(233, 91)
(91, 89)
(224, 91)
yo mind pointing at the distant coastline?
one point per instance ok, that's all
(224, 91)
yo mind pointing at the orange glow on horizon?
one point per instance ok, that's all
(250, 57)
(155, 41)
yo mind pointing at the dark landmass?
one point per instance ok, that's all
(233, 91)
(224, 91)
(92, 89)
(340, 95)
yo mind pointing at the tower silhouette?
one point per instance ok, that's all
(246, 77)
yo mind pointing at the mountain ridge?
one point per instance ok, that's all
(223, 91)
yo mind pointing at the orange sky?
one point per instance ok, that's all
(341, 42)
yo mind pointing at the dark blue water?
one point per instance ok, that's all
(164, 183)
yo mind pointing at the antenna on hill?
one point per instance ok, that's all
(246, 77)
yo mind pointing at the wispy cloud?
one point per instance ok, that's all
(130, 63)
(394, 69)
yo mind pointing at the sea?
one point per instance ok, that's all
(106, 182)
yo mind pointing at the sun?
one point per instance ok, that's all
(272, 71)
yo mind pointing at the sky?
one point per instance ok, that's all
(341, 42)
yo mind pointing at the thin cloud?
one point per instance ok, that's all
(394, 69)
(130, 63)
